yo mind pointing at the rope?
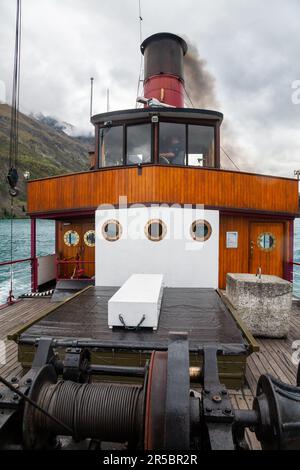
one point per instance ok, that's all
(132, 327)
(10, 298)
(12, 177)
(14, 129)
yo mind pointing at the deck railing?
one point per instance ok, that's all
(78, 271)
(15, 279)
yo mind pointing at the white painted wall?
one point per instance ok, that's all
(46, 269)
(183, 261)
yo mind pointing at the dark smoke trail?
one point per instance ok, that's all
(200, 87)
(199, 82)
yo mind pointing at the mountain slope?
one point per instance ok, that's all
(43, 151)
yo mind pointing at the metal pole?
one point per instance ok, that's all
(91, 102)
(107, 100)
(34, 274)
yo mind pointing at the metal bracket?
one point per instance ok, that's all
(217, 410)
(76, 364)
(44, 354)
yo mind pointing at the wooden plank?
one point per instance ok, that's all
(13, 334)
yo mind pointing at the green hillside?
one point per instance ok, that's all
(43, 151)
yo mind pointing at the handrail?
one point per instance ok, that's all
(6, 263)
(77, 261)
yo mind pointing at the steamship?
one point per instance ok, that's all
(145, 239)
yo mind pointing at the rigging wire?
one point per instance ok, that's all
(14, 129)
(12, 177)
(222, 148)
(140, 19)
(225, 153)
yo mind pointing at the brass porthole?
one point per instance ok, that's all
(266, 241)
(200, 230)
(89, 238)
(71, 238)
(155, 230)
(112, 230)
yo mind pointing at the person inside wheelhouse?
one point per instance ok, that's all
(182, 144)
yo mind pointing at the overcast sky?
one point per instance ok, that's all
(252, 49)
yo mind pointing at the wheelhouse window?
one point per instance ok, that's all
(172, 143)
(111, 146)
(201, 148)
(138, 144)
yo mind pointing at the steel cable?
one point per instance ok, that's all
(104, 411)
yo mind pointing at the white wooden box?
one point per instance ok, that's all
(139, 296)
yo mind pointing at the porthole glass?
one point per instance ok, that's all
(266, 241)
(155, 230)
(89, 238)
(71, 238)
(200, 230)
(112, 230)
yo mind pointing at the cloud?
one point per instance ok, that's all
(249, 48)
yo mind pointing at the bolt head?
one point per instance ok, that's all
(208, 409)
(216, 398)
(14, 380)
(16, 397)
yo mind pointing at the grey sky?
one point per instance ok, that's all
(251, 48)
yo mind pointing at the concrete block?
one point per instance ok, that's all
(264, 304)
(140, 296)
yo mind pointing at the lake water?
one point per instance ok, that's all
(45, 246)
(21, 250)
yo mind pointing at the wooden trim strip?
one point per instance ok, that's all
(128, 167)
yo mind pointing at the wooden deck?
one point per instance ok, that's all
(274, 356)
(16, 315)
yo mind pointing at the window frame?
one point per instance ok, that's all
(124, 126)
(193, 234)
(99, 146)
(187, 124)
(120, 230)
(154, 140)
(77, 236)
(271, 248)
(164, 230)
(131, 124)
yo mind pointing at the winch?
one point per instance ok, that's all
(164, 405)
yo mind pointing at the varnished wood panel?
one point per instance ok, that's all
(238, 260)
(163, 184)
(82, 252)
(233, 260)
(270, 262)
